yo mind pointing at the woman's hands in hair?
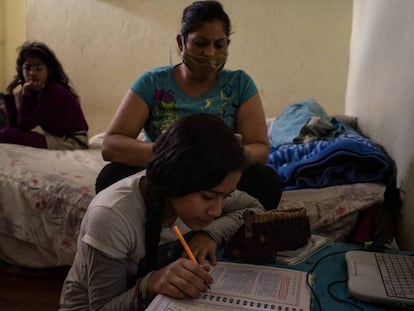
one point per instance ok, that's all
(203, 247)
(180, 279)
(12, 85)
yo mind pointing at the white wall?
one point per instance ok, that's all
(380, 88)
(293, 49)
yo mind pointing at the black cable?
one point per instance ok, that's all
(340, 299)
(315, 297)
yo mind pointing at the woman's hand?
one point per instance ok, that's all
(33, 86)
(180, 279)
(203, 247)
(12, 85)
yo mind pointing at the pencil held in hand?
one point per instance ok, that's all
(184, 244)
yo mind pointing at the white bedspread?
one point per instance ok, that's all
(44, 195)
(333, 210)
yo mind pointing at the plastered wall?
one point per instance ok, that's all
(293, 49)
(380, 88)
(12, 34)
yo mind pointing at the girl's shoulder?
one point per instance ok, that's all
(60, 90)
(53, 86)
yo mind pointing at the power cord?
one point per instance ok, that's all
(340, 299)
(309, 273)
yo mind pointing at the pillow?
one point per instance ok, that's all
(95, 142)
(347, 120)
(288, 125)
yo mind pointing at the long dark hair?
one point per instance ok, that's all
(200, 12)
(55, 69)
(196, 153)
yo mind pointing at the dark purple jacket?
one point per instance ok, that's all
(57, 111)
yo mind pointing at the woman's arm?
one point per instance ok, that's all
(251, 124)
(120, 143)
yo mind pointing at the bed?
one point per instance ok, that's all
(44, 195)
(330, 168)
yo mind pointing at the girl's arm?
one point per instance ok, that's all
(107, 285)
(10, 104)
(38, 107)
(231, 219)
(204, 243)
(108, 290)
(10, 109)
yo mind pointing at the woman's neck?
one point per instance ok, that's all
(189, 85)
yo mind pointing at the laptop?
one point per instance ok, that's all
(371, 276)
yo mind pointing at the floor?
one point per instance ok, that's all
(30, 289)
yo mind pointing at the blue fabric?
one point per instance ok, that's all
(339, 128)
(288, 125)
(327, 266)
(331, 267)
(168, 103)
(347, 159)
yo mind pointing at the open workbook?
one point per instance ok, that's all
(246, 287)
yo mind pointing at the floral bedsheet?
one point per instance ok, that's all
(44, 195)
(333, 210)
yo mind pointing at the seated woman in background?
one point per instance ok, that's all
(163, 95)
(127, 251)
(45, 100)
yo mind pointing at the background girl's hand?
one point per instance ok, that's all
(12, 85)
(33, 86)
(203, 247)
(180, 279)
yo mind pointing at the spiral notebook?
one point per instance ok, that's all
(246, 287)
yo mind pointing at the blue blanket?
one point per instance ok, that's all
(346, 159)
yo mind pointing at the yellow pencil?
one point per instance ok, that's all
(184, 244)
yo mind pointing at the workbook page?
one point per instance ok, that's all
(246, 287)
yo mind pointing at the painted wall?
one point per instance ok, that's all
(380, 88)
(293, 49)
(12, 35)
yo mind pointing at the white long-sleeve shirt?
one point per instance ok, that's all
(111, 244)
